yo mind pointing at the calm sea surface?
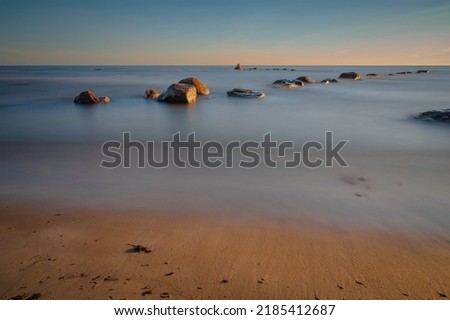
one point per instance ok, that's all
(50, 146)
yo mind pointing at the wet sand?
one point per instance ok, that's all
(49, 251)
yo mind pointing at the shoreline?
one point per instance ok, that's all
(73, 253)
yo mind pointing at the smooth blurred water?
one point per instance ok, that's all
(50, 147)
(36, 105)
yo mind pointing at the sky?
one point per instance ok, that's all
(195, 32)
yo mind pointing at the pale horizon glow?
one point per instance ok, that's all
(116, 32)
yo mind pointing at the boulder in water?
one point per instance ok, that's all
(350, 76)
(245, 93)
(438, 115)
(179, 93)
(86, 97)
(198, 84)
(306, 79)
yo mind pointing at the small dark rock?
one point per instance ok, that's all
(238, 67)
(306, 79)
(245, 93)
(151, 94)
(350, 76)
(329, 80)
(438, 115)
(423, 71)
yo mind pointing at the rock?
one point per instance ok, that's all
(371, 75)
(151, 94)
(238, 67)
(293, 70)
(401, 72)
(423, 71)
(350, 76)
(86, 97)
(306, 79)
(245, 93)
(391, 74)
(198, 84)
(438, 115)
(104, 100)
(329, 80)
(287, 83)
(179, 93)
(298, 82)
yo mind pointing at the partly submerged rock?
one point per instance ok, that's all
(438, 115)
(198, 84)
(285, 83)
(329, 80)
(350, 76)
(306, 79)
(104, 100)
(245, 93)
(423, 71)
(86, 97)
(179, 93)
(238, 67)
(151, 93)
(371, 75)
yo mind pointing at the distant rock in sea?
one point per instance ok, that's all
(238, 67)
(306, 79)
(371, 75)
(151, 94)
(86, 97)
(104, 100)
(329, 80)
(202, 89)
(350, 76)
(285, 83)
(423, 71)
(179, 93)
(438, 115)
(245, 93)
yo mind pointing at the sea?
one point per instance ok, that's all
(398, 174)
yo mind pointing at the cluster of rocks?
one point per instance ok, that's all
(372, 75)
(187, 90)
(89, 98)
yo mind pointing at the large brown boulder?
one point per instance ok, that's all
(350, 76)
(179, 93)
(198, 84)
(86, 97)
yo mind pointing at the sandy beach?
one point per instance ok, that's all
(51, 252)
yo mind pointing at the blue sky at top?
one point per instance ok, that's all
(226, 32)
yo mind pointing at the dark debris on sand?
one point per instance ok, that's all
(137, 248)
